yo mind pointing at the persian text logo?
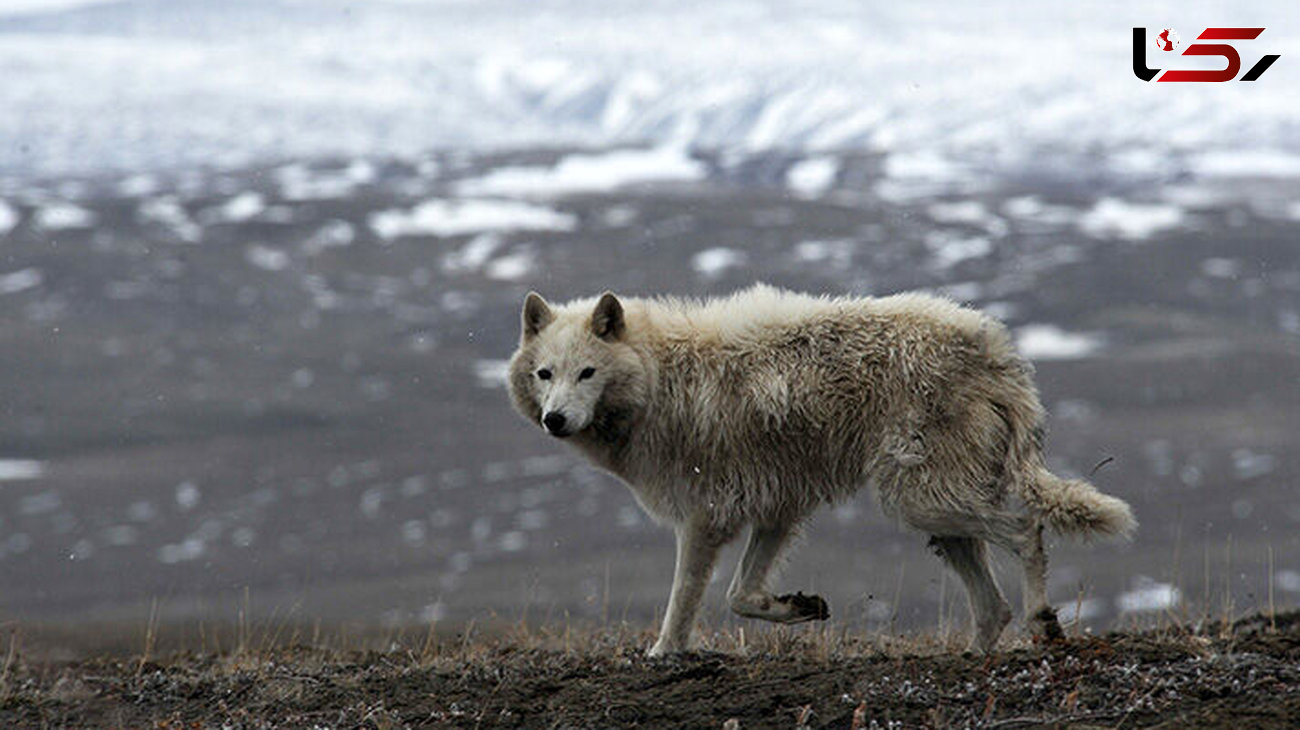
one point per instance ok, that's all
(1167, 40)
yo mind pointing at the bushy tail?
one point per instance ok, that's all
(1068, 506)
(1075, 507)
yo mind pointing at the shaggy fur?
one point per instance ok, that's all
(758, 408)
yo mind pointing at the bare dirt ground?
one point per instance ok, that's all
(1246, 675)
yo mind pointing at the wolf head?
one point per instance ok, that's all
(575, 371)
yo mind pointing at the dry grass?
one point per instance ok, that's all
(521, 674)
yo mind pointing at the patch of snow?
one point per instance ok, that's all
(191, 548)
(1287, 580)
(963, 291)
(812, 177)
(476, 252)
(495, 471)
(242, 537)
(83, 549)
(168, 211)
(21, 280)
(265, 258)
(453, 218)
(513, 541)
(372, 501)
(121, 535)
(837, 253)
(12, 470)
(968, 212)
(8, 218)
(130, 90)
(589, 173)
(414, 486)
(428, 168)
(1196, 196)
(1049, 342)
(1115, 218)
(543, 466)
(922, 173)
(63, 216)
(512, 267)
(332, 234)
(1148, 595)
(34, 7)
(1141, 161)
(1221, 268)
(619, 216)
(138, 186)
(1031, 208)
(298, 183)
(1248, 464)
(949, 249)
(1088, 608)
(713, 262)
(414, 532)
(361, 172)
(142, 511)
(1247, 163)
(240, 208)
(187, 495)
(491, 373)
(302, 378)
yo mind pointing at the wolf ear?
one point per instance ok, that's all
(537, 314)
(607, 321)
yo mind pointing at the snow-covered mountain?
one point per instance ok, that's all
(954, 88)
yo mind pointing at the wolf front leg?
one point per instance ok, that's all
(749, 595)
(697, 551)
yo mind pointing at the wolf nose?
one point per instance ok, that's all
(554, 422)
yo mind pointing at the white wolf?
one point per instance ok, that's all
(755, 409)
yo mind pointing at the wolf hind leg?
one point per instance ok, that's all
(749, 595)
(1033, 559)
(990, 613)
(697, 551)
(1022, 536)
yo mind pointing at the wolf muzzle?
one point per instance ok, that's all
(554, 423)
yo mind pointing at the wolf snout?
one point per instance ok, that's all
(555, 423)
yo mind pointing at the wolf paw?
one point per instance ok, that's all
(1046, 619)
(805, 608)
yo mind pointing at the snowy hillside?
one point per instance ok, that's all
(954, 89)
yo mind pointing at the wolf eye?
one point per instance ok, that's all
(586, 373)
(544, 374)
